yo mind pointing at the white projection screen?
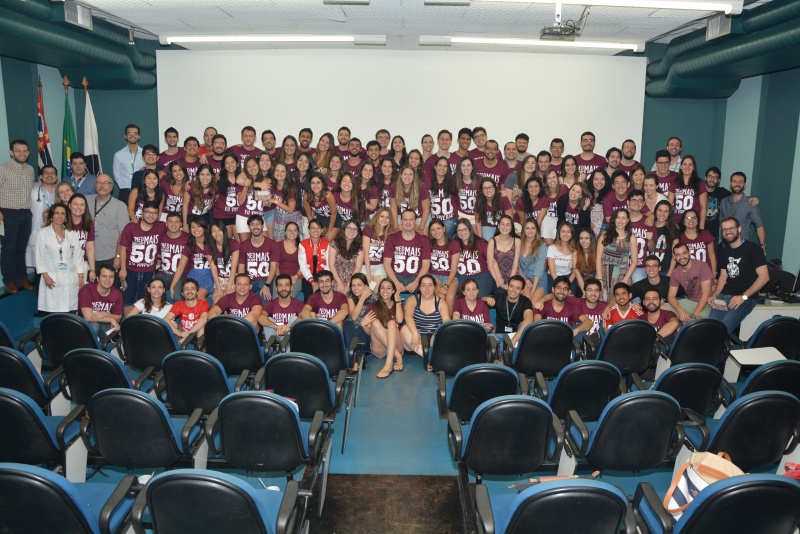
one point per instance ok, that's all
(410, 93)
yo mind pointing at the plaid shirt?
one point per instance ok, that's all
(16, 183)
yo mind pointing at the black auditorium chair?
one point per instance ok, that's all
(18, 373)
(701, 340)
(131, 429)
(145, 342)
(780, 332)
(586, 387)
(696, 386)
(756, 430)
(192, 500)
(60, 333)
(555, 506)
(475, 384)
(648, 423)
(629, 345)
(746, 503)
(781, 375)
(193, 379)
(36, 500)
(457, 344)
(544, 347)
(234, 342)
(89, 371)
(7, 339)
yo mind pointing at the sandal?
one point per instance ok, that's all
(397, 367)
(387, 374)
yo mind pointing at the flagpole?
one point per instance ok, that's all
(65, 83)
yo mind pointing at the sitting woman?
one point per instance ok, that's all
(424, 313)
(359, 298)
(384, 330)
(470, 307)
(154, 301)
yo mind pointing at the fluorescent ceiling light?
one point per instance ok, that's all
(258, 39)
(729, 8)
(434, 40)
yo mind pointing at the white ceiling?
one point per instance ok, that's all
(402, 21)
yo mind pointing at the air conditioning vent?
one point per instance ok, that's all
(718, 26)
(76, 14)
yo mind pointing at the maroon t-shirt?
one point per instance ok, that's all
(224, 267)
(686, 199)
(443, 206)
(595, 314)
(320, 209)
(170, 252)
(569, 314)
(663, 318)
(375, 247)
(476, 154)
(407, 256)
(208, 203)
(165, 159)
(505, 205)
(627, 168)
(227, 204)
(85, 235)
(542, 203)
(473, 263)
(258, 260)
(698, 247)
(587, 166)
(344, 208)
(198, 258)
(191, 168)
(479, 314)
(251, 204)
(280, 315)
(287, 262)
(640, 229)
(230, 306)
(691, 280)
(352, 168)
(242, 153)
(467, 196)
(215, 165)
(498, 173)
(667, 185)
(89, 297)
(324, 310)
(172, 203)
(367, 197)
(424, 194)
(552, 203)
(142, 246)
(430, 164)
(441, 256)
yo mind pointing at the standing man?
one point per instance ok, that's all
(742, 273)
(587, 159)
(522, 140)
(464, 139)
(443, 140)
(374, 154)
(304, 139)
(110, 218)
(80, 179)
(383, 136)
(696, 279)
(716, 194)
(491, 167)
(613, 159)
(543, 161)
(138, 251)
(16, 183)
(343, 137)
(666, 178)
(173, 151)
(268, 140)
(218, 147)
(127, 161)
(479, 136)
(190, 159)
(354, 162)
(674, 147)
(510, 158)
(248, 147)
(628, 153)
(407, 254)
(259, 257)
(208, 139)
(738, 206)
(150, 157)
(42, 197)
(556, 150)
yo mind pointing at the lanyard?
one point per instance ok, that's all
(508, 313)
(133, 159)
(77, 183)
(97, 211)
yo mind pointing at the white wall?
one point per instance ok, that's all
(410, 93)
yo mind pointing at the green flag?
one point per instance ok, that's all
(70, 139)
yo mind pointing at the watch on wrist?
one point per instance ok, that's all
(744, 297)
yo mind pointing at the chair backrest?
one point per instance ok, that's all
(781, 332)
(475, 384)
(6, 339)
(748, 503)
(234, 342)
(26, 437)
(321, 339)
(545, 347)
(457, 344)
(628, 345)
(634, 432)
(783, 375)
(194, 380)
(261, 431)
(33, 499)
(508, 435)
(146, 340)
(586, 387)
(63, 332)
(18, 373)
(88, 371)
(700, 341)
(302, 378)
(228, 504)
(132, 429)
(566, 506)
(756, 428)
(693, 385)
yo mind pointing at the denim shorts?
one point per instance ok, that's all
(203, 277)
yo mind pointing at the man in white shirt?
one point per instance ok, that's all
(127, 161)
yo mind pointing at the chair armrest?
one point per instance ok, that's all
(483, 508)
(120, 493)
(160, 386)
(737, 341)
(194, 419)
(508, 349)
(87, 441)
(114, 337)
(258, 378)
(558, 428)
(211, 427)
(589, 348)
(58, 373)
(454, 433)
(340, 380)
(441, 394)
(287, 510)
(426, 347)
(492, 354)
(62, 386)
(728, 393)
(351, 351)
(201, 342)
(663, 350)
(137, 512)
(188, 341)
(576, 347)
(677, 442)
(793, 442)
(645, 491)
(148, 371)
(524, 387)
(637, 380)
(284, 343)
(27, 338)
(241, 381)
(574, 419)
(541, 386)
(313, 433)
(70, 418)
(695, 420)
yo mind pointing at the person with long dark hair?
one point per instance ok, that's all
(490, 206)
(409, 194)
(599, 185)
(59, 261)
(467, 183)
(346, 255)
(701, 244)
(397, 151)
(198, 200)
(531, 202)
(288, 263)
(375, 233)
(149, 192)
(445, 253)
(503, 252)
(424, 313)
(252, 187)
(227, 203)
(383, 330)
(667, 233)
(320, 205)
(474, 260)
(615, 249)
(690, 192)
(154, 301)
(197, 255)
(79, 220)
(533, 260)
(286, 199)
(224, 260)
(469, 307)
(444, 195)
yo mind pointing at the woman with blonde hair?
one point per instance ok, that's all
(375, 234)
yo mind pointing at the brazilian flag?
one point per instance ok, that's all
(70, 139)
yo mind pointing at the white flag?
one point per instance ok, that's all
(90, 145)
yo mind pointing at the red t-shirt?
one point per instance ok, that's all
(473, 263)
(141, 245)
(407, 256)
(479, 314)
(90, 297)
(324, 310)
(617, 317)
(229, 305)
(258, 260)
(188, 317)
(440, 257)
(280, 315)
(170, 251)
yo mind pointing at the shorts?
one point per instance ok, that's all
(442, 278)
(549, 225)
(268, 215)
(227, 221)
(470, 218)
(203, 277)
(241, 225)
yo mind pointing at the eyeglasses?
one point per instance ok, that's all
(128, 134)
(728, 230)
(636, 201)
(691, 218)
(150, 212)
(291, 230)
(103, 183)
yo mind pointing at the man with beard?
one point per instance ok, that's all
(218, 146)
(374, 154)
(622, 310)
(556, 150)
(522, 140)
(491, 167)
(716, 194)
(191, 312)
(259, 257)
(743, 272)
(562, 308)
(543, 161)
(304, 138)
(628, 153)
(738, 205)
(514, 310)
(696, 279)
(278, 314)
(343, 137)
(354, 163)
(674, 147)
(241, 303)
(173, 151)
(587, 159)
(613, 158)
(326, 304)
(664, 321)
(268, 140)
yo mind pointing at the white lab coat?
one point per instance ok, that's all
(39, 204)
(64, 296)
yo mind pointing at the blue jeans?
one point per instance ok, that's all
(257, 286)
(450, 226)
(137, 285)
(638, 274)
(733, 318)
(17, 233)
(487, 232)
(351, 330)
(178, 293)
(485, 284)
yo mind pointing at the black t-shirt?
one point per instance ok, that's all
(663, 249)
(712, 212)
(740, 264)
(642, 286)
(516, 310)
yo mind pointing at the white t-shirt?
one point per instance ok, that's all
(563, 261)
(139, 304)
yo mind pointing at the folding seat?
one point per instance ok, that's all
(745, 503)
(60, 333)
(702, 340)
(475, 384)
(191, 379)
(17, 372)
(780, 332)
(555, 506)
(782, 375)
(35, 500)
(628, 345)
(190, 500)
(145, 342)
(586, 387)
(757, 430)
(457, 344)
(544, 347)
(696, 386)
(89, 371)
(636, 431)
(234, 342)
